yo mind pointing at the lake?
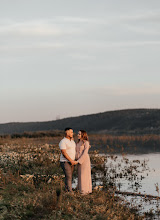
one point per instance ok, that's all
(132, 173)
(152, 175)
(143, 179)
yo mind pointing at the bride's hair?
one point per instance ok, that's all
(84, 135)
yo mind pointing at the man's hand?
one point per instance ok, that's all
(74, 162)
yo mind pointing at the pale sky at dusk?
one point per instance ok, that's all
(69, 58)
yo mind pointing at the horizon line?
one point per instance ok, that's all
(80, 115)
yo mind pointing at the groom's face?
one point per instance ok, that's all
(70, 133)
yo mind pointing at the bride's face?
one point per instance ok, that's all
(79, 135)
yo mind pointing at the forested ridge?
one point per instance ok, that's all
(129, 121)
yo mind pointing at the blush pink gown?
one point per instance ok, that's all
(84, 168)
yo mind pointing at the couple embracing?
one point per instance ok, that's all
(76, 154)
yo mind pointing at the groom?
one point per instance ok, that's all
(67, 158)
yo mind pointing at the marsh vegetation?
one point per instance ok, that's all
(31, 181)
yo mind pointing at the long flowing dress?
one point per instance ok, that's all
(84, 167)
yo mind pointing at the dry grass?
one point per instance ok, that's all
(31, 186)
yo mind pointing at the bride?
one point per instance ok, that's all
(84, 165)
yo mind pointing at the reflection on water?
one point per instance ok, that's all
(143, 177)
(152, 176)
(132, 173)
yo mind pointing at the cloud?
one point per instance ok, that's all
(31, 28)
(151, 31)
(6, 60)
(142, 22)
(36, 28)
(75, 19)
(139, 90)
(133, 43)
(80, 32)
(146, 16)
(92, 45)
(32, 46)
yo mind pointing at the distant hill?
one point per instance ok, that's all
(132, 121)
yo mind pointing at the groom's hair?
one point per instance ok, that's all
(68, 128)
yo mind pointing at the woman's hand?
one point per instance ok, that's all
(73, 162)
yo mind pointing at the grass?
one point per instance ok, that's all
(131, 144)
(32, 186)
(24, 201)
(102, 142)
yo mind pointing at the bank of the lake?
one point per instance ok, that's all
(136, 175)
(32, 187)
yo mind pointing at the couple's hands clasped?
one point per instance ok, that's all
(74, 162)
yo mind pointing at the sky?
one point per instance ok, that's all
(63, 58)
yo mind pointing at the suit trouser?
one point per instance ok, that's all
(68, 170)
